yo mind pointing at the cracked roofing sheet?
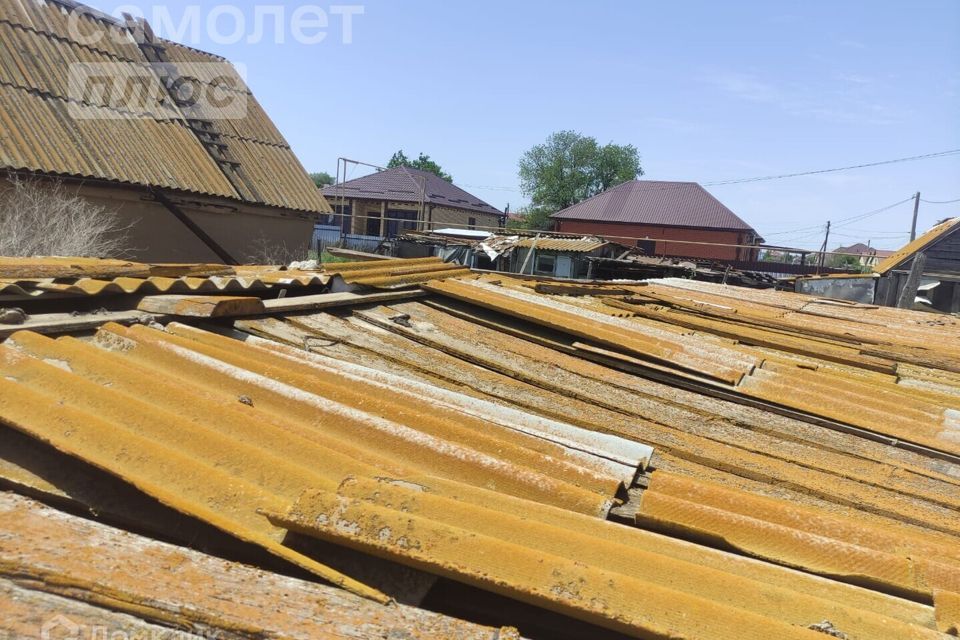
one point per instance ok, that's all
(856, 493)
(497, 446)
(845, 394)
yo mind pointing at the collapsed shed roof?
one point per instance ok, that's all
(131, 130)
(668, 458)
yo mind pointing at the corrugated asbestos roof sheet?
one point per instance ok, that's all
(656, 202)
(672, 459)
(48, 130)
(577, 245)
(922, 242)
(403, 184)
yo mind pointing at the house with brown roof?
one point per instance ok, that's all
(92, 102)
(388, 203)
(869, 256)
(664, 219)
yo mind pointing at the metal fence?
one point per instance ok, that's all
(330, 236)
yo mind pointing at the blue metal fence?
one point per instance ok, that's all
(330, 236)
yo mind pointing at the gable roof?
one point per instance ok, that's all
(657, 202)
(905, 254)
(862, 249)
(403, 184)
(51, 128)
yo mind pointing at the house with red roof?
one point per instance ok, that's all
(664, 219)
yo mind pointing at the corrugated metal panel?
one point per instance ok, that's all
(676, 204)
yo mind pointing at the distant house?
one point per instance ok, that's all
(869, 256)
(194, 186)
(390, 202)
(655, 216)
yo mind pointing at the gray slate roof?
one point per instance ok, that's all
(657, 202)
(403, 184)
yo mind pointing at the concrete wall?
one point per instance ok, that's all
(443, 217)
(156, 235)
(655, 233)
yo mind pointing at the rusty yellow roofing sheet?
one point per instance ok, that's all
(904, 253)
(598, 572)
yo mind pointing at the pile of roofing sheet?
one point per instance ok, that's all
(27, 279)
(672, 459)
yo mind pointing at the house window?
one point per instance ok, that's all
(471, 223)
(546, 265)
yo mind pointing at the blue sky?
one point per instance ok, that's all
(707, 91)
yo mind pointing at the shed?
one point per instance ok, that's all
(195, 183)
(940, 247)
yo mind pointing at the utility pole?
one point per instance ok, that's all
(916, 208)
(823, 249)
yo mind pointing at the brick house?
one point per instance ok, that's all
(663, 218)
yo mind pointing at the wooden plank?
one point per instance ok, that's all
(159, 583)
(331, 300)
(202, 306)
(56, 323)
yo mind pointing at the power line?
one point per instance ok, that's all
(939, 201)
(717, 183)
(847, 168)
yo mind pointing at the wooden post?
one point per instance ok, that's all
(909, 291)
(916, 209)
(383, 219)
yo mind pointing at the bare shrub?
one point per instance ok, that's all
(264, 252)
(41, 218)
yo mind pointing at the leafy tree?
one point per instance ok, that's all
(570, 167)
(423, 162)
(536, 218)
(322, 179)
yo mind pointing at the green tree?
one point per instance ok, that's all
(536, 218)
(570, 167)
(322, 179)
(423, 162)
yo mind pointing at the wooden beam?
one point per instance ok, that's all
(203, 236)
(202, 306)
(343, 299)
(909, 292)
(59, 323)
